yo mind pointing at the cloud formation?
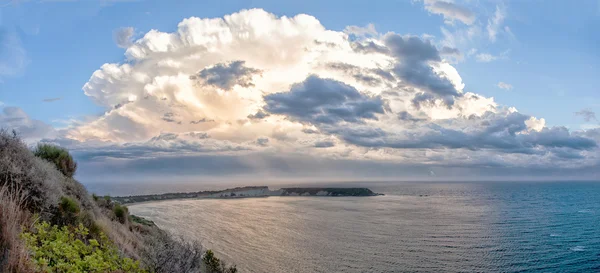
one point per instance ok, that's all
(14, 118)
(51, 99)
(495, 22)
(505, 86)
(587, 114)
(450, 11)
(13, 57)
(123, 36)
(324, 101)
(226, 76)
(485, 57)
(261, 92)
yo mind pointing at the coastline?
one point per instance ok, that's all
(247, 192)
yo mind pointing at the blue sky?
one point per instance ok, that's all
(543, 53)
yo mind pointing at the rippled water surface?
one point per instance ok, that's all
(415, 227)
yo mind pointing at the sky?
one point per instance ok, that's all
(361, 90)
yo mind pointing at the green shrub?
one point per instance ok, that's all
(121, 213)
(55, 249)
(59, 156)
(68, 211)
(215, 265)
(141, 221)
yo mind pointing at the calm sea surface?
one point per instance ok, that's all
(415, 227)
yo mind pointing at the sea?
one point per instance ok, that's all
(414, 227)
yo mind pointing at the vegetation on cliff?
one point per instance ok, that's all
(328, 191)
(49, 222)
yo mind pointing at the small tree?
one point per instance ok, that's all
(59, 156)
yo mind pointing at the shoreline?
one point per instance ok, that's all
(247, 192)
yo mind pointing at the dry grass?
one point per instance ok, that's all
(14, 256)
(128, 241)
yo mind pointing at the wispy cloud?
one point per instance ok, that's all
(505, 86)
(51, 99)
(13, 57)
(587, 114)
(495, 23)
(123, 36)
(485, 57)
(450, 11)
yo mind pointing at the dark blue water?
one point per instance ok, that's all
(415, 227)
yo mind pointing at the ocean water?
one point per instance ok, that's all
(415, 227)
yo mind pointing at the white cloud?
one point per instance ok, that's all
(13, 57)
(535, 124)
(450, 11)
(254, 84)
(505, 86)
(366, 31)
(495, 22)
(14, 118)
(485, 57)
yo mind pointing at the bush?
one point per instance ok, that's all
(21, 171)
(59, 156)
(163, 253)
(67, 212)
(121, 213)
(55, 249)
(215, 265)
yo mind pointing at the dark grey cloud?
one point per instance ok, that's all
(263, 141)
(324, 101)
(259, 115)
(51, 99)
(405, 116)
(450, 11)
(591, 133)
(161, 146)
(372, 77)
(14, 118)
(309, 131)
(369, 47)
(411, 48)
(199, 135)
(503, 134)
(169, 117)
(200, 170)
(202, 120)
(587, 114)
(450, 51)
(413, 55)
(227, 75)
(123, 36)
(324, 144)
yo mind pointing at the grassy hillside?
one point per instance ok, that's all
(50, 223)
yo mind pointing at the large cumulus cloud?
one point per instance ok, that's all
(254, 84)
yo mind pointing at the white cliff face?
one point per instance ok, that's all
(252, 192)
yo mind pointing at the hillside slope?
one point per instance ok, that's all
(50, 223)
